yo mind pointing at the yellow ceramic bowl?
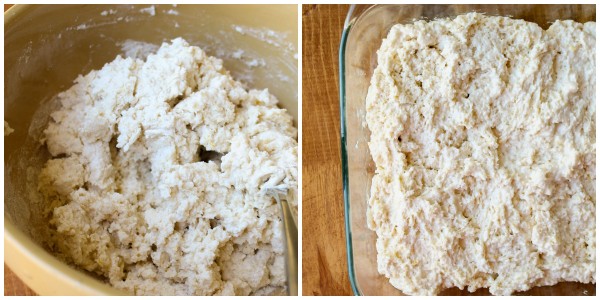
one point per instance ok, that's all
(47, 46)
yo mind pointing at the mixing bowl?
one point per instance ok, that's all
(48, 46)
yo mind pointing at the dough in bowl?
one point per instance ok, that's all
(483, 136)
(164, 174)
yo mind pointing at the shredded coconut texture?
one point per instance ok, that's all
(164, 174)
(483, 136)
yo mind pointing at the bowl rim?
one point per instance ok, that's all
(18, 246)
(31, 262)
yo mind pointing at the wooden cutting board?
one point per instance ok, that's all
(324, 268)
(13, 286)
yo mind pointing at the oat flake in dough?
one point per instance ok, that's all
(483, 134)
(131, 199)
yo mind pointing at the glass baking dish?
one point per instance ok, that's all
(364, 29)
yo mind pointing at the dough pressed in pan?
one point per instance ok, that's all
(164, 174)
(483, 136)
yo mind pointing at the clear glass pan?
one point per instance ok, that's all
(364, 30)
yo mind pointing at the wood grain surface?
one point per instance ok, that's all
(324, 268)
(13, 286)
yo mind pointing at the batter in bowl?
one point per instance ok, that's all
(163, 176)
(483, 135)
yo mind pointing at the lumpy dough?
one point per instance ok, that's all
(164, 174)
(483, 136)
